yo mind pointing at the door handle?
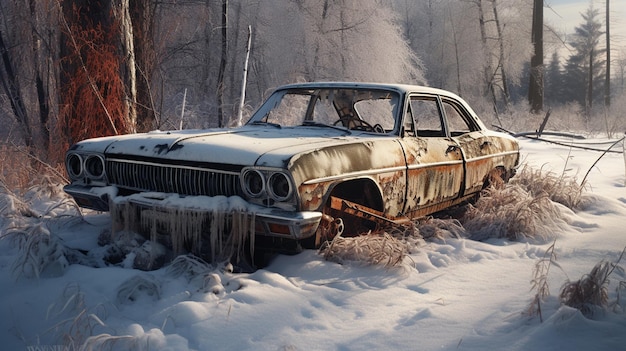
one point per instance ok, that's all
(485, 144)
(451, 148)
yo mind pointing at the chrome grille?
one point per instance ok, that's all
(167, 178)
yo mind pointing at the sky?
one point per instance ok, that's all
(565, 15)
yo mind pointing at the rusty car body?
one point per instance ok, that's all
(313, 152)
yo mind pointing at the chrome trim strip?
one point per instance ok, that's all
(355, 174)
(171, 166)
(187, 180)
(507, 153)
(426, 165)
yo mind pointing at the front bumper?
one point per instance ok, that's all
(94, 198)
(271, 222)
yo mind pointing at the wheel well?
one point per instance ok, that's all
(497, 177)
(362, 191)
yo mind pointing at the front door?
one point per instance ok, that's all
(435, 170)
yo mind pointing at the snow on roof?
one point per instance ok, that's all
(401, 88)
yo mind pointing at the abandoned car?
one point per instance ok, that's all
(315, 160)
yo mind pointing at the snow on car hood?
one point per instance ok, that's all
(248, 145)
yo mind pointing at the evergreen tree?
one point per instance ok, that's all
(584, 68)
(554, 81)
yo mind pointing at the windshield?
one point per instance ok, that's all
(352, 108)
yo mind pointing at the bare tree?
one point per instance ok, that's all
(621, 69)
(27, 72)
(535, 85)
(128, 65)
(11, 86)
(335, 39)
(142, 13)
(223, 61)
(94, 89)
(607, 73)
(501, 54)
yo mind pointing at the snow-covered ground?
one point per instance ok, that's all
(452, 294)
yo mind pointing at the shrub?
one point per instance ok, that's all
(77, 322)
(188, 266)
(512, 213)
(40, 254)
(562, 189)
(141, 285)
(590, 293)
(373, 248)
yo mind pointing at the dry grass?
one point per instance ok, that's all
(374, 248)
(15, 173)
(76, 323)
(389, 247)
(523, 209)
(188, 266)
(562, 189)
(513, 213)
(102, 342)
(590, 293)
(25, 218)
(439, 228)
(13, 206)
(138, 287)
(40, 253)
(81, 328)
(539, 283)
(20, 169)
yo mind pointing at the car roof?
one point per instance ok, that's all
(401, 88)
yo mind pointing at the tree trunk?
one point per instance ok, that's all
(589, 95)
(11, 87)
(505, 84)
(456, 55)
(93, 94)
(142, 17)
(42, 92)
(488, 69)
(220, 77)
(535, 85)
(128, 71)
(607, 84)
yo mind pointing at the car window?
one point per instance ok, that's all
(376, 112)
(425, 110)
(408, 127)
(370, 110)
(324, 111)
(289, 111)
(458, 122)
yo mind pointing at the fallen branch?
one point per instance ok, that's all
(528, 135)
(604, 153)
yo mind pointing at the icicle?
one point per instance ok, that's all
(226, 222)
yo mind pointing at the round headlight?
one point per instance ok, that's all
(74, 165)
(94, 166)
(279, 186)
(253, 182)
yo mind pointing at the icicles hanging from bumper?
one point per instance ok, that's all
(218, 228)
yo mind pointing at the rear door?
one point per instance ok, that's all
(477, 148)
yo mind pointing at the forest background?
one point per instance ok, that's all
(71, 70)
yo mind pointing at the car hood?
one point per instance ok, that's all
(249, 145)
